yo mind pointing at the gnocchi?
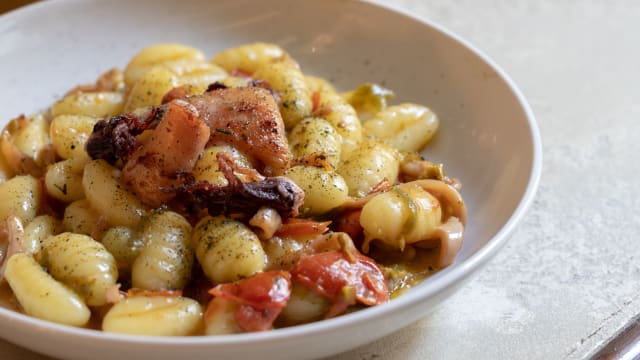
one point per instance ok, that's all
(166, 259)
(124, 244)
(80, 217)
(408, 127)
(81, 263)
(241, 185)
(317, 84)
(5, 170)
(369, 165)
(227, 249)
(154, 315)
(343, 117)
(324, 190)
(207, 169)
(31, 135)
(20, 196)
(40, 228)
(219, 317)
(38, 293)
(249, 58)
(150, 88)
(95, 104)
(69, 134)
(63, 181)
(176, 58)
(295, 97)
(105, 190)
(315, 136)
(25, 146)
(304, 306)
(403, 215)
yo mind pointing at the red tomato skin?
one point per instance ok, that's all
(261, 298)
(262, 290)
(328, 272)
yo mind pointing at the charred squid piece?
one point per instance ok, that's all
(173, 148)
(216, 86)
(248, 119)
(182, 92)
(177, 93)
(115, 138)
(178, 138)
(279, 193)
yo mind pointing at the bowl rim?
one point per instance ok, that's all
(455, 275)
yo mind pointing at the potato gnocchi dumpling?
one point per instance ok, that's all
(63, 181)
(38, 293)
(304, 306)
(124, 244)
(176, 58)
(403, 215)
(69, 134)
(318, 85)
(39, 229)
(227, 249)
(369, 165)
(198, 79)
(95, 104)
(29, 135)
(207, 168)
(80, 217)
(81, 263)
(343, 117)
(150, 88)
(219, 318)
(5, 170)
(295, 98)
(25, 146)
(210, 194)
(154, 315)
(166, 259)
(324, 190)
(408, 127)
(249, 58)
(316, 137)
(21, 196)
(107, 193)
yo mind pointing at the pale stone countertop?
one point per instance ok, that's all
(569, 278)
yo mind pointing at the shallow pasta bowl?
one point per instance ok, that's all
(488, 137)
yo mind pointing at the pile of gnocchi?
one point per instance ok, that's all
(180, 221)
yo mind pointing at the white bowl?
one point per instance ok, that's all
(488, 135)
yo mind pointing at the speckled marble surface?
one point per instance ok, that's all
(569, 278)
